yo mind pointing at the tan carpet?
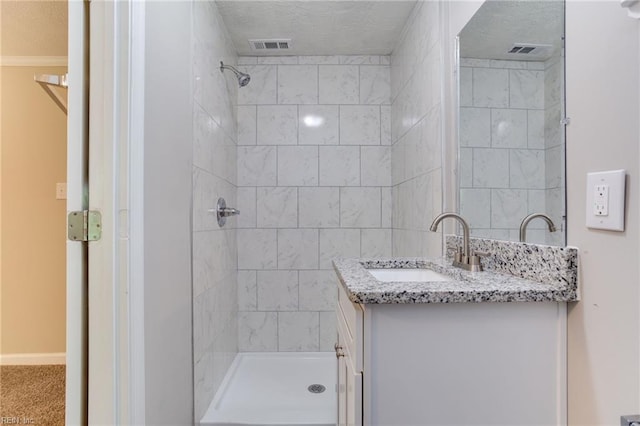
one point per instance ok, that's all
(34, 393)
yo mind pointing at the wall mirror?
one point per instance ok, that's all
(511, 136)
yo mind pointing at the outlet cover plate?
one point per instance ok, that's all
(613, 217)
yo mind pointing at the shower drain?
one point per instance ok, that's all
(316, 388)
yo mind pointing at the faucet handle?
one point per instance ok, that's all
(481, 253)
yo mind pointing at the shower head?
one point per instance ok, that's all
(243, 79)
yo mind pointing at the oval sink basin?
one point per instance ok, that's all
(400, 275)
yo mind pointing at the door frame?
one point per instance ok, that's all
(105, 284)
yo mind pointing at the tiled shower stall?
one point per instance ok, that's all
(324, 156)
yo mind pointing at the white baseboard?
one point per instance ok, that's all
(34, 359)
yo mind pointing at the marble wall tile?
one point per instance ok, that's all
(319, 60)
(375, 88)
(535, 65)
(338, 243)
(277, 125)
(247, 206)
(508, 207)
(318, 207)
(257, 249)
(328, 330)
(207, 188)
(359, 59)
(203, 262)
(465, 172)
(328, 153)
(247, 60)
(340, 165)
(247, 291)
(297, 84)
(385, 125)
(476, 63)
(257, 331)
(490, 88)
(535, 129)
(247, 125)
(554, 162)
(375, 243)
(359, 125)
(318, 125)
(553, 128)
(338, 84)
(297, 248)
(475, 127)
(527, 168)
(318, 290)
(278, 60)
(489, 168)
(466, 87)
(536, 203)
(278, 290)
(553, 83)
(525, 89)
(360, 207)
(207, 136)
(387, 207)
(298, 331)
(277, 207)
(475, 207)
(508, 128)
(297, 165)
(257, 166)
(263, 89)
(376, 166)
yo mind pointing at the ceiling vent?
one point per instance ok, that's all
(275, 44)
(530, 49)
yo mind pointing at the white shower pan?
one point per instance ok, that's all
(272, 389)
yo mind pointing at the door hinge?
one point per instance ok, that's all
(85, 225)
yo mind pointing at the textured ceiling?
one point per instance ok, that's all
(33, 28)
(317, 27)
(498, 25)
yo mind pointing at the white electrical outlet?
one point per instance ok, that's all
(601, 200)
(606, 200)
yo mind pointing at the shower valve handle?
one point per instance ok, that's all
(222, 212)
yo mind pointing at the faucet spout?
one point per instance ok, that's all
(465, 230)
(526, 220)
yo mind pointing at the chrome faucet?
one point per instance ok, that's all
(465, 259)
(526, 220)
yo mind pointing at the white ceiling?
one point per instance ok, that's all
(317, 27)
(498, 25)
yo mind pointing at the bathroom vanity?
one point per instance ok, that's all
(458, 348)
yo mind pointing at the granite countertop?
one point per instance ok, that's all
(486, 286)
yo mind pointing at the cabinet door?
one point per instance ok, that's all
(353, 394)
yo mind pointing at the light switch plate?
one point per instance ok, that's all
(61, 191)
(606, 200)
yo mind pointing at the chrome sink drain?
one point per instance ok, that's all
(316, 388)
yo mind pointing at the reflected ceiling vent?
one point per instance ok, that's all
(270, 44)
(530, 49)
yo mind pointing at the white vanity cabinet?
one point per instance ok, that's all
(440, 364)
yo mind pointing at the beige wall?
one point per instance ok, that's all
(33, 160)
(602, 52)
